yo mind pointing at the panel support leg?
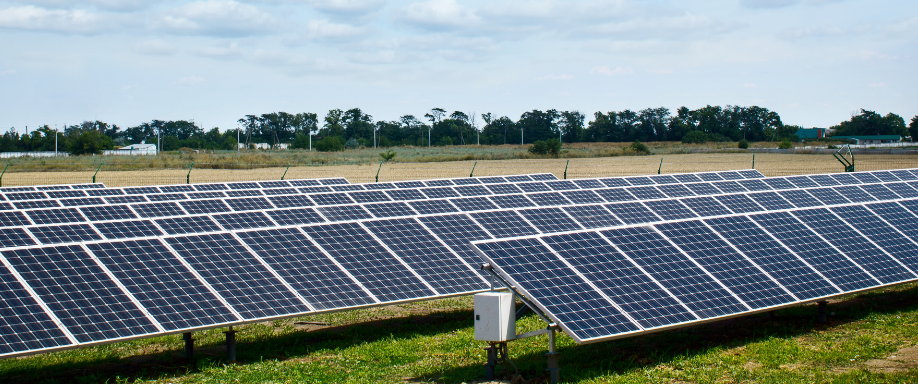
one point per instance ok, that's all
(821, 316)
(552, 357)
(492, 362)
(230, 345)
(189, 345)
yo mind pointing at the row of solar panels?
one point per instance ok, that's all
(624, 280)
(122, 221)
(170, 284)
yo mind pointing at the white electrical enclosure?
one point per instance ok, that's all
(495, 318)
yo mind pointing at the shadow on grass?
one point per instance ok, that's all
(577, 362)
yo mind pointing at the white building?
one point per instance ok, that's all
(134, 150)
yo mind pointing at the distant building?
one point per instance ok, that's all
(282, 146)
(811, 133)
(133, 150)
(875, 139)
(261, 146)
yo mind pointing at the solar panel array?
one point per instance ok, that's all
(719, 257)
(213, 269)
(159, 278)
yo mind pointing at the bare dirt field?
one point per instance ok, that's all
(768, 164)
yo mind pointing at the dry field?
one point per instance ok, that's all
(768, 164)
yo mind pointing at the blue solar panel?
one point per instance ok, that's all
(127, 229)
(854, 193)
(879, 192)
(616, 194)
(344, 213)
(646, 193)
(632, 213)
(800, 199)
(619, 279)
(729, 186)
(670, 209)
(703, 189)
(315, 276)
(739, 203)
(64, 233)
(457, 231)
(583, 312)
(785, 267)
(162, 284)
(592, 216)
(369, 196)
(582, 197)
(903, 190)
(725, 264)
(504, 223)
(24, 325)
(691, 285)
(891, 240)
(469, 204)
(291, 201)
(548, 199)
(815, 251)
(189, 224)
(426, 207)
(237, 276)
(244, 220)
(512, 201)
(754, 185)
(389, 209)
(534, 187)
(770, 201)
(365, 259)
(79, 293)
(675, 190)
(435, 263)
(548, 220)
(706, 206)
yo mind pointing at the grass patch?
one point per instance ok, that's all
(866, 340)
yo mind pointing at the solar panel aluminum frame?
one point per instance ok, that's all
(514, 286)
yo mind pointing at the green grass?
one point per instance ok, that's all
(433, 342)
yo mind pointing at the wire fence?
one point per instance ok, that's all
(119, 175)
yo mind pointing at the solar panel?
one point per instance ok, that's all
(706, 206)
(24, 325)
(512, 201)
(244, 220)
(503, 223)
(468, 204)
(632, 213)
(127, 229)
(79, 293)
(739, 203)
(581, 197)
(44, 203)
(162, 284)
(370, 196)
(389, 209)
(158, 209)
(15, 237)
(108, 212)
(370, 264)
(670, 209)
(344, 213)
(291, 201)
(592, 216)
(548, 220)
(237, 276)
(249, 204)
(57, 234)
(426, 207)
(205, 195)
(295, 216)
(247, 192)
(548, 199)
(771, 201)
(187, 224)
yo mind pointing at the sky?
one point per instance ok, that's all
(815, 62)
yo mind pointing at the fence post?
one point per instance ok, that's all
(4, 171)
(473, 169)
(285, 172)
(97, 171)
(565, 168)
(378, 170)
(188, 176)
(661, 166)
(753, 161)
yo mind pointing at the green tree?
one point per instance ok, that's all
(546, 147)
(871, 123)
(743, 144)
(695, 137)
(330, 144)
(90, 142)
(333, 124)
(913, 128)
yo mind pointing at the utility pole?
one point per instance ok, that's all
(237, 139)
(55, 140)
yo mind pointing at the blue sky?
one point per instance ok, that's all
(815, 62)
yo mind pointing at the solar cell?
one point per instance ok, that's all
(245, 185)
(778, 183)
(315, 276)
(518, 178)
(703, 189)
(710, 176)
(26, 196)
(127, 229)
(176, 188)
(548, 199)
(248, 204)
(534, 187)
(108, 212)
(866, 177)
(751, 174)
(730, 175)
(639, 180)
(273, 184)
(167, 197)
(332, 198)
(561, 185)
(675, 272)
(616, 194)
(13, 219)
(280, 191)
(904, 175)
(204, 206)
(754, 185)
(503, 223)
(580, 310)
(457, 231)
(548, 220)
(588, 183)
(14, 237)
(347, 187)
(616, 182)
(471, 180)
(706, 206)
(493, 180)
(295, 216)
(247, 192)
(729, 267)
(141, 190)
(187, 224)
(771, 201)
(65, 194)
(877, 191)
(244, 220)
(439, 192)
(802, 182)
(582, 197)
(845, 178)
(504, 188)
(405, 194)
(6, 207)
(344, 213)
(687, 178)
(875, 228)
(823, 180)
(828, 196)
(162, 284)
(854, 193)
(512, 201)
(379, 186)
(543, 177)
(310, 190)
(80, 293)
(632, 213)
(104, 192)
(440, 183)
(205, 195)
(469, 204)
(56, 216)
(33, 204)
(365, 259)
(670, 209)
(158, 209)
(425, 207)
(800, 199)
(333, 181)
(125, 199)
(592, 216)
(304, 183)
(739, 203)
(884, 176)
(729, 186)
(237, 276)
(445, 271)
(210, 187)
(409, 184)
(389, 209)
(290, 201)
(903, 190)
(369, 196)
(675, 190)
(664, 179)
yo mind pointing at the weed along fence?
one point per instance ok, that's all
(115, 174)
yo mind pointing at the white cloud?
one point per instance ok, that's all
(109, 5)
(325, 30)
(609, 71)
(32, 18)
(156, 47)
(439, 15)
(221, 52)
(347, 6)
(191, 80)
(222, 18)
(773, 4)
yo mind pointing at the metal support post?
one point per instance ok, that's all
(753, 161)
(660, 170)
(565, 168)
(188, 176)
(821, 316)
(378, 171)
(97, 171)
(230, 345)
(285, 172)
(4, 171)
(473, 169)
(552, 357)
(492, 362)
(189, 345)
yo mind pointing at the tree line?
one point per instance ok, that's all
(354, 128)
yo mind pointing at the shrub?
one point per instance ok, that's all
(90, 142)
(330, 144)
(695, 137)
(786, 144)
(743, 144)
(352, 143)
(301, 141)
(639, 147)
(546, 147)
(444, 141)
